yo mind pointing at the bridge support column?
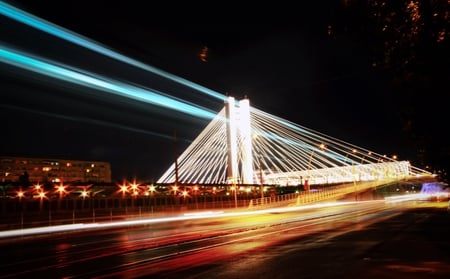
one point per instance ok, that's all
(239, 141)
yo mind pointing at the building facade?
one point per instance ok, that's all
(14, 169)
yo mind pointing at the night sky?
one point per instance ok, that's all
(371, 73)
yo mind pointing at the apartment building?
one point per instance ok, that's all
(13, 169)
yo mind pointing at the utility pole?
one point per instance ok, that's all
(261, 184)
(176, 164)
(176, 156)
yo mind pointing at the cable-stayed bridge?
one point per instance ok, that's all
(244, 145)
(241, 145)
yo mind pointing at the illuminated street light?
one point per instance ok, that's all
(20, 194)
(151, 190)
(195, 196)
(234, 189)
(185, 195)
(354, 151)
(124, 189)
(37, 187)
(61, 189)
(322, 147)
(41, 196)
(175, 190)
(84, 194)
(134, 188)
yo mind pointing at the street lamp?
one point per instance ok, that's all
(175, 190)
(354, 151)
(84, 194)
(195, 196)
(20, 194)
(41, 197)
(322, 147)
(134, 191)
(37, 188)
(234, 189)
(61, 189)
(123, 188)
(185, 195)
(261, 181)
(134, 188)
(151, 189)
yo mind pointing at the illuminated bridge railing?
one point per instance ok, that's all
(356, 173)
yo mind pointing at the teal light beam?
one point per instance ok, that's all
(65, 34)
(61, 72)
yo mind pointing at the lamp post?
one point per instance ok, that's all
(185, 195)
(39, 191)
(135, 192)
(61, 189)
(234, 189)
(306, 187)
(353, 175)
(322, 147)
(124, 190)
(84, 194)
(151, 189)
(261, 181)
(195, 196)
(175, 190)
(20, 194)
(41, 199)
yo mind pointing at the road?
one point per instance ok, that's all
(372, 239)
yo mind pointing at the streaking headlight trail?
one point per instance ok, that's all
(146, 221)
(60, 32)
(77, 76)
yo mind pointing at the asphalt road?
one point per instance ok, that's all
(351, 241)
(414, 244)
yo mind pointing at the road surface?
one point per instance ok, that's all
(350, 240)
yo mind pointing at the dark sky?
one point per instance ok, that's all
(372, 74)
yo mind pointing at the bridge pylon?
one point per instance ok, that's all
(239, 141)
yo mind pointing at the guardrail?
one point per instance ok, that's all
(17, 220)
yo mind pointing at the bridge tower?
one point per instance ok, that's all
(239, 141)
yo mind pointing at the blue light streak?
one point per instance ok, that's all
(60, 32)
(90, 80)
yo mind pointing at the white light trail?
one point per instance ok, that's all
(145, 221)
